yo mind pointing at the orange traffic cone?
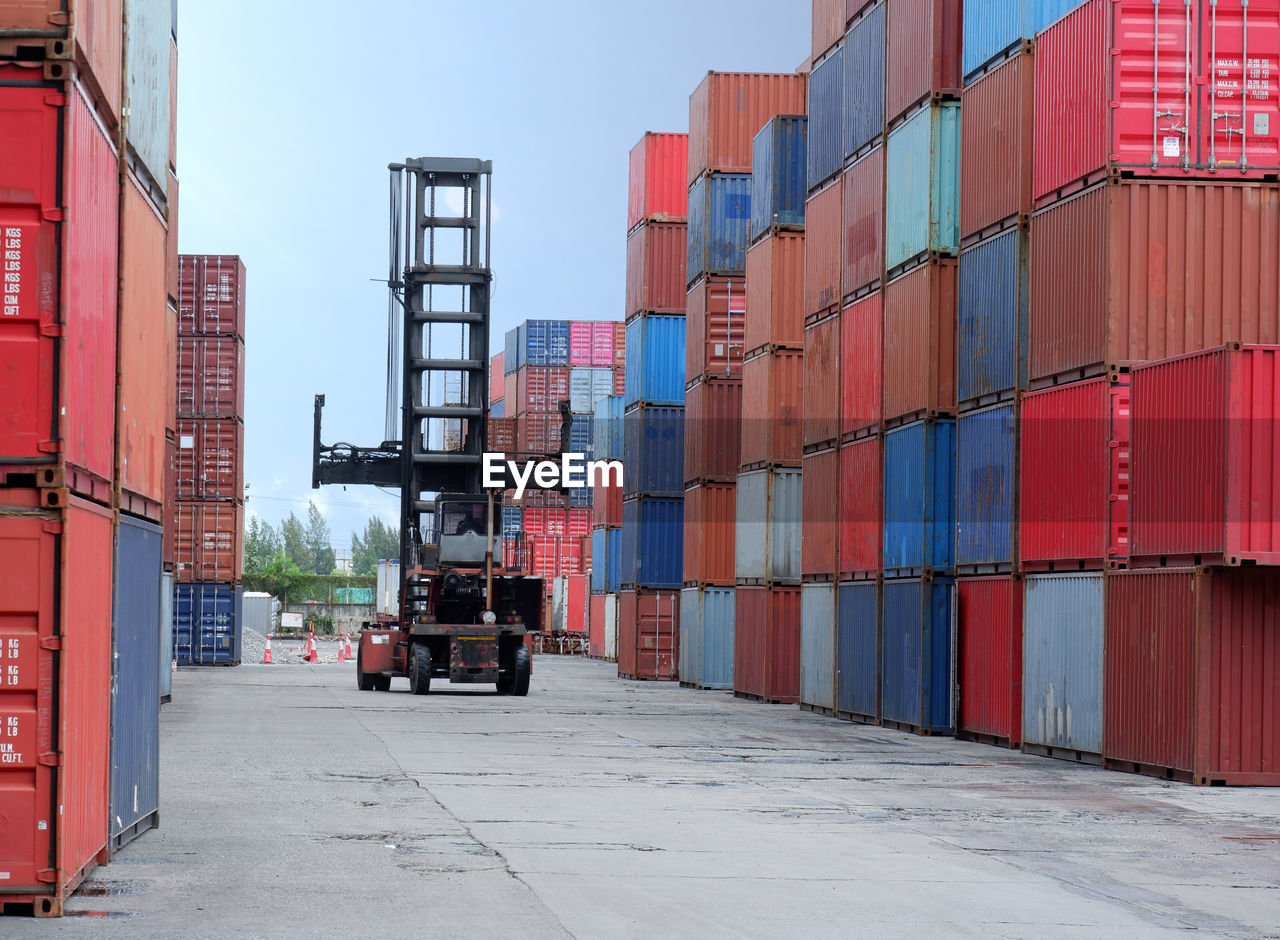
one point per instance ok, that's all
(312, 656)
(350, 655)
(342, 648)
(266, 654)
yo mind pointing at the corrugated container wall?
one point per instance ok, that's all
(206, 624)
(826, 93)
(541, 343)
(766, 648)
(922, 204)
(989, 659)
(211, 295)
(919, 498)
(772, 407)
(648, 634)
(858, 650)
(652, 542)
(775, 285)
(923, 53)
(209, 460)
(864, 82)
(210, 538)
(818, 646)
(997, 29)
(862, 229)
(655, 361)
(995, 147)
(992, 307)
(653, 450)
(719, 225)
(715, 325)
(987, 490)
(862, 367)
(497, 372)
(822, 368)
(656, 254)
(210, 377)
(828, 25)
(916, 655)
(820, 541)
(94, 29)
(728, 109)
(920, 342)
(824, 222)
(715, 636)
(709, 532)
(587, 386)
(149, 24)
(778, 174)
(861, 516)
(767, 546)
(712, 430)
(658, 186)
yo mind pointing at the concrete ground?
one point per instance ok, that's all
(294, 805)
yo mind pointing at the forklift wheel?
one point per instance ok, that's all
(524, 665)
(419, 669)
(365, 681)
(382, 683)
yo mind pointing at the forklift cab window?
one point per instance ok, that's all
(462, 533)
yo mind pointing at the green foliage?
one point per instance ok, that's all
(294, 542)
(379, 540)
(261, 544)
(281, 577)
(316, 539)
(304, 587)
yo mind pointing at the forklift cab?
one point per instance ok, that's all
(462, 527)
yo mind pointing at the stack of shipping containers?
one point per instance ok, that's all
(88, 197)
(207, 526)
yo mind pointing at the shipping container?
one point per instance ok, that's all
(822, 368)
(1109, 98)
(864, 50)
(727, 110)
(387, 591)
(995, 150)
(207, 624)
(135, 682)
(1191, 669)
(502, 434)
(658, 186)
(710, 527)
(916, 650)
(542, 521)
(607, 506)
(554, 555)
(595, 626)
(149, 26)
(210, 538)
(818, 647)
(587, 386)
(775, 283)
(169, 545)
(513, 351)
(580, 439)
(1062, 641)
(770, 526)
(497, 376)
(600, 561)
(922, 186)
(987, 490)
(719, 225)
(619, 353)
(862, 225)
(772, 408)
(706, 637)
(995, 30)
(923, 44)
(498, 409)
(569, 600)
(862, 367)
(766, 643)
(656, 256)
(609, 434)
(920, 342)
(778, 172)
(538, 434)
(861, 513)
(858, 651)
(540, 389)
(992, 301)
(712, 430)
(715, 327)
(1074, 476)
(828, 25)
(611, 627)
(652, 542)
(166, 637)
(211, 372)
(655, 361)
(539, 343)
(824, 222)
(653, 452)
(989, 659)
(1204, 452)
(826, 106)
(1125, 273)
(210, 459)
(211, 295)
(821, 525)
(55, 647)
(648, 634)
(919, 498)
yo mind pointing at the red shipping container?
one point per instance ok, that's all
(861, 509)
(710, 526)
(538, 434)
(55, 701)
(1100, 104)
(540, 499)
(502, 435)
(766, 643)
(824, 224)
(497, 376)
(540, 389)
(620, 347)
(922, 54)
(1132, 272)
(595, 628)
(775, 284)
(772, 408)
(862, 367)
(211, 294)
(210, 377)
(715, 320)
(544, 522)
(820, 540)
(619, 380)
(59, 394)
(607, 506)
(1205, 458)
(712, 430)
(577, 522)
(510, 394)
(728, 109)
(210, 537)
(989, 659)
(209, 460)
(91, 37)
(648, 634)
(656, 257)
(1074, 476)
(862, 229)
(995, 148)
(828, 25)
(555, 555)
(658, 186)
(920, 342)
(1191, 668)
(822, 367)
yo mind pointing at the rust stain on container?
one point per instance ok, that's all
(995, 147)
(775, 288)
(920, 342)
(824, 220)
(820, 495)
(822, 368)
(728, 109)
(863, 223)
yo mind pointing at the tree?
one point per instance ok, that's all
(379, 540)
(281, 577)
(294, 543)
(316, 538)
(261, 544)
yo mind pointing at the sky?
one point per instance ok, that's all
(290, 111)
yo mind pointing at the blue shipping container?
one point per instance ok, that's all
(779, 168)
(858, 649)
(582, 430)
(546, 343)
(652, 542)
(580, 497)
(826, 107)
(655, 361)
(512, 520)
(994, 28)
(498, 409)
(513, 357)
(919, 498)
(653, 452)
(135, 681)
(607, 438)
(599, 561)
(706, 637)
(987, 488)
(206, 624)
(992, 305)
(1062, 630)
(818, 644)
(922, 187)
(613, 577)
(864, 82)
(719, 226)
(915, 654)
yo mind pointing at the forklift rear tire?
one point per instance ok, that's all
(382, 683)
(419, 669)
(524, 666)
(365, 681)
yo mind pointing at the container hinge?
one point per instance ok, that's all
(52, 528)
(49, 447)
(51, 214)
(51, 643)
(47, 875)
(55, 101)
(53, 759)
(52, 330)
(60, 19)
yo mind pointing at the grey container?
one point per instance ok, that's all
(588, 385)
(706, 637)
(166, 637)
(769, 528)
(818, 645)
(258, 612)
(149, 24)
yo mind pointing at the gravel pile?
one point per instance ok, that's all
(286, 652)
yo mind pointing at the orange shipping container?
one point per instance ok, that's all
(497, 377)
(863, 229)
(209, 460)
(775, 287)
(648, 634)
(656, 257)
(712, 430)
(824, 221)
(715, 318)
(772, 404)
(861, 508)
(920, 342)
(210, 538)
(861, 366)
(822, 367)
(710, 524)
(820, 495)
(995, 148)
(607, 507)
(728, 109)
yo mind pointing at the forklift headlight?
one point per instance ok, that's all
(489, 617)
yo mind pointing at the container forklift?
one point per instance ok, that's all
(466, 608)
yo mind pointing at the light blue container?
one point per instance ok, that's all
(993, 300)
(689, 665)
(1062, 637)
(652, 543)
(166, 636)
(922, 189)
(826, 108)
(858, 650)
(150, 25)
(588, 386)
(779, 171)
(916, 652)
(719, 226)
(864, 48)
(769, 526)
(609, 429)
(655, 361)
(706, 637)
(993, 29)
(498, 409)
(987, 489)
(653, 451)
(919, 498)
(818, 645)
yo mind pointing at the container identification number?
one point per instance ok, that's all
(12, 271)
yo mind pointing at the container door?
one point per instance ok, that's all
(1154, 114)
(1240, 40)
